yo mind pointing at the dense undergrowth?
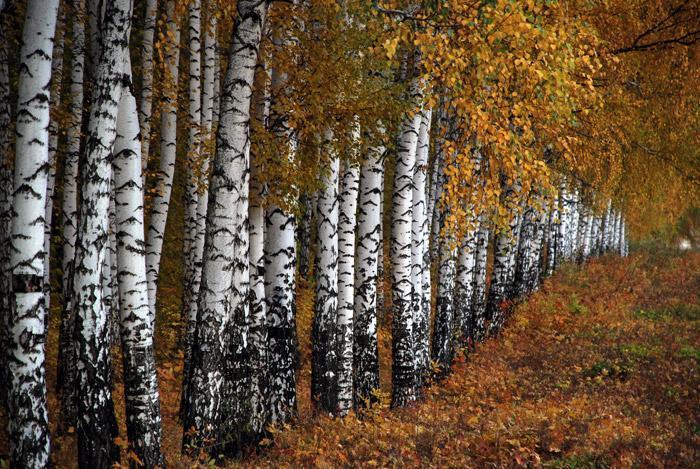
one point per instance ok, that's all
(597, 369)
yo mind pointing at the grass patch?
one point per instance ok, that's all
(638, 351)
(688, 351)
(584, 461)
(681, 311)
(606, 369)
(575, 305)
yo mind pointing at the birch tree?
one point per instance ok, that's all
(365, 347)
(56, 81)
(347, 224)
(209, 96)
(190, 287)
(479, 297)
(280, 284)
(259, 393)
(146, 98)
(500, 278)
(323, 343)
(26, 325)
(403, 356)
(168, 142)
(224, 292)
(421, 308)
(69, 214)
(96, 424)
(143, 421)
(6, 184)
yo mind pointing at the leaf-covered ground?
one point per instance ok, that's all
(599, 368)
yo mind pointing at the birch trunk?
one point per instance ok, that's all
(365, 349)
(168, 150)
(280, 285)
(143, 421)
(304, 235)
(347, 224)
(26, 325)
(496, 305)
(464, 287)
(209, 95)
(6, 184)
(323, 343)
(192, 272)
(524, 249)
(56, 81)
(403, 352)
(96, 424)
(479, 298)
(421, 308)
(259, 395)
(442, 346)
(221, 331)
(146, 98)
(69, 216)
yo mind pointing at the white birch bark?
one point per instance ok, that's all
(479, 298)
(280, 285)
(96, 424)
(403, 354)
(143, 419)
(366, 352)
(347, 224)
(419, 268)
(6, 185)
(221, 331)
(26, 401)
(146, 98)
(168, 142)
(323, 335)
(209, 96)
(69, 214)
(505, 241)
(56, 81)
(194, 156)
(259, 395)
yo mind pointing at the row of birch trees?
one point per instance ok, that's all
(381, 207)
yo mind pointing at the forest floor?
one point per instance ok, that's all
(597, 369)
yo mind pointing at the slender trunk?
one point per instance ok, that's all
(168, 150)
(464, 287)
(347, 224)
(69, 216)
(324, 349)
(403, 354)
(145, 108)
(524, 248)
(479, 298)
(6, 175)
(496, 302)
(304, 234)
(259, 394)
(26, 325)
(442, 346)
(365, 348)
(96, 424)
(280, 285)
(56, 81)
(421, 308)
(209, 95)
(143, 420)
(221, 330)
(191, 279)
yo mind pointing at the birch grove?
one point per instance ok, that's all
(227, 284)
